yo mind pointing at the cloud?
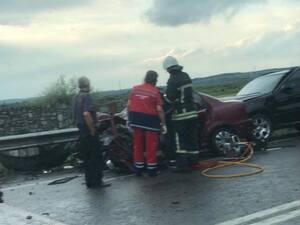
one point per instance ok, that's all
(275, 44)
(273, 49)
(178, 53)
(178, 12)
(16, 12)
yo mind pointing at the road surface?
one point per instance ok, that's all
(272, 197)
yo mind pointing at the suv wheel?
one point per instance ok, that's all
(224, 141)
(263, 128)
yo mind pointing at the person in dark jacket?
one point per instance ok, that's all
(85, 119)
(146, 117)
(184, 117)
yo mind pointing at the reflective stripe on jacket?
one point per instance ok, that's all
(180, 94)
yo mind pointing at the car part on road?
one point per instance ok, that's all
(117, 148)
(263, 127)
(46, 157)
(63, 180)
(224, 141)
(248, 153)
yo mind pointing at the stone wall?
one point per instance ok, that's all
(20, 118)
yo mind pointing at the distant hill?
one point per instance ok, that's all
(208, 81)
(11, 101)
(231, 78)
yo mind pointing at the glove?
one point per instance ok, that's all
(164, 129)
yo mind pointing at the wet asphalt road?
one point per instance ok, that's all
(168, 199)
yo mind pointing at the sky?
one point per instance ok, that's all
(115, 42)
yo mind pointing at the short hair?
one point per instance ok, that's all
(151, 77)
(83, 82)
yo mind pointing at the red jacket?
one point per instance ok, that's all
(144, 100)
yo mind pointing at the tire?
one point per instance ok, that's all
(224, 141)
(263, 128)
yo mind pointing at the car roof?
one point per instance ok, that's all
(275, 73)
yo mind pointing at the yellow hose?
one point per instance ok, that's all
(221, 164)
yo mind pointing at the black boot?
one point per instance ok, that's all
(181, 165)
(172, 164)
(152, 172)
(138, 172)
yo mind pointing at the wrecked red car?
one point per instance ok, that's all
(221, 127)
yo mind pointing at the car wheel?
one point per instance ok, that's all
(263, 128)
(224, 141)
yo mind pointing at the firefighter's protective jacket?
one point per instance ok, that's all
(179, 94)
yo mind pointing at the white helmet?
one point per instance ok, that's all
(169, 62)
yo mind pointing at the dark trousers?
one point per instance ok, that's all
(186, 139)
(1, 195)
(91, 153)
(170, 143)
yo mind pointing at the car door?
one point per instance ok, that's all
(202, 108)
(287, 100)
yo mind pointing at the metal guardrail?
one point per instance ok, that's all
(23, 141)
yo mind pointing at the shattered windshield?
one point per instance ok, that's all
(262, 85)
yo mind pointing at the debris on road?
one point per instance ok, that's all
(68, 167)
(29, 217)
(47, 171)
(63, 180)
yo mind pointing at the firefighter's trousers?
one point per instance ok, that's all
(186, 138)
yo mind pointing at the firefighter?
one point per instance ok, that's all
(85, 119)
(147, 119)
(184, 118)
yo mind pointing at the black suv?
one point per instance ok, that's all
(273, 101)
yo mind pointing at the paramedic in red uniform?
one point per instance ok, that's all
(147, 119)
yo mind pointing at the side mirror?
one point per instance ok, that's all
(287, 90)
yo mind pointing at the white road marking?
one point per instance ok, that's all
(279, 219)
(48, 181)
(262, 214)
(14, 216)
(274, 149)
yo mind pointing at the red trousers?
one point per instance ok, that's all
(145, 140)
